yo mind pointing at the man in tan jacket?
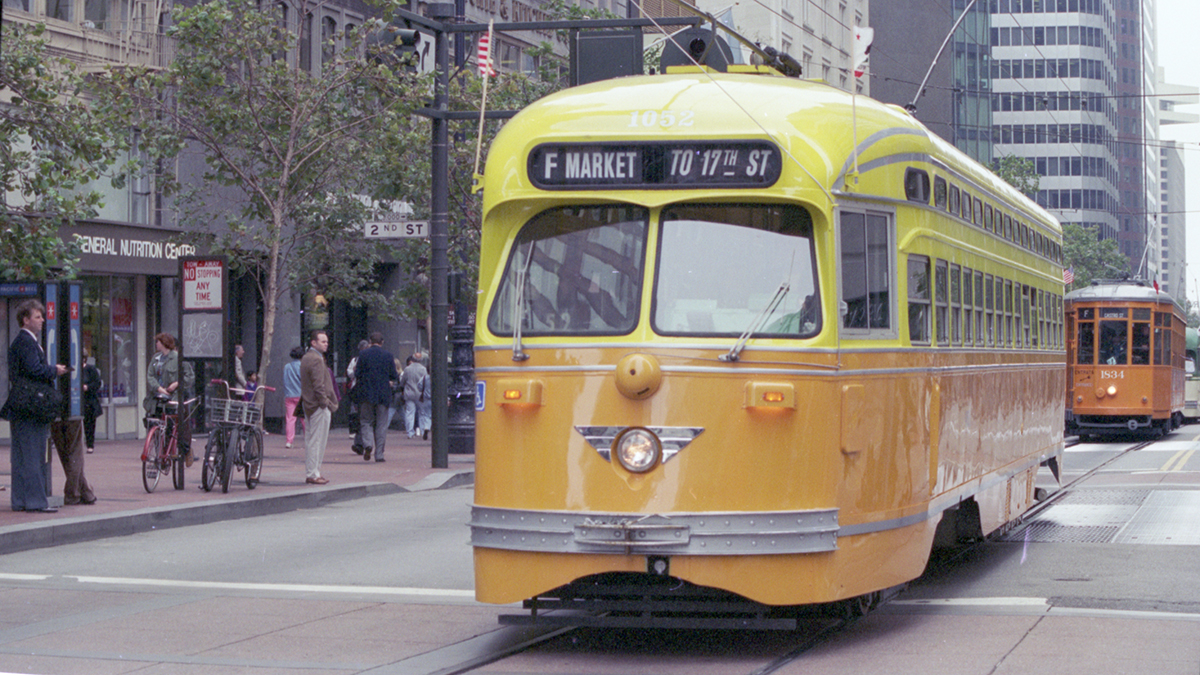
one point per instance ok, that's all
(319, 399)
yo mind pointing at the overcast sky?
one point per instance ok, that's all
(1179, 54)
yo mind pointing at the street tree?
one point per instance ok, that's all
(1019, 172)
(287, 149)
(1091, 257)
(54, 148)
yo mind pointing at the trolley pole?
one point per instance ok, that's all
(439, 236)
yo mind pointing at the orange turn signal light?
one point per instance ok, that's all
(770, 395)
(520, 392)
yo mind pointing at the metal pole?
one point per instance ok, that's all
(912, 107)
(439, 236)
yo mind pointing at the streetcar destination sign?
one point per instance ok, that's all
(655, 165)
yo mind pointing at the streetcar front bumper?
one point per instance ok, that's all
(729, 533)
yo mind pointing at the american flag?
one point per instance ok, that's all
(484, 55)
(1069, 276)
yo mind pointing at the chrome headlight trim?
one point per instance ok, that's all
(672, 439)
(638, 449)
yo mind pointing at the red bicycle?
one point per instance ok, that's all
(160, 454)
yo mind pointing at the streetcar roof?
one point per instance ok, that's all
(816, 124)
(1119, 291)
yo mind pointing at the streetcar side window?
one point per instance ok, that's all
(724, 269)
(1162, 338)
(916, 186)
(955, 304)
(989, 309)
(866, 271)
(574, 271)
(1086, 344)
(939, 192)
(1008, 313)
(955, 202)
(940, 297)
(1139, 353)
(918, 299)
(979, 308)
(968, 313)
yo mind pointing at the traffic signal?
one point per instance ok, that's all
(403, 44)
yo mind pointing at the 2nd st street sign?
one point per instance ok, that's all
(396, 229)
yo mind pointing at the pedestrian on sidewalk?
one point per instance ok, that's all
(92, 384)
(320, 402)
(163, 380)
(27, 360)
(412, 388)
(251, 385)
(375, 373)
(425, 407)
(239, 373)
(291, 395)
(354, 421)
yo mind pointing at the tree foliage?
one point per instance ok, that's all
(1019, 172)
(1091, 257)
(52, 145)
(408, 174)
(286, 153)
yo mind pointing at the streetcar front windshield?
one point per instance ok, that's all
(724, 269)
(574, 271)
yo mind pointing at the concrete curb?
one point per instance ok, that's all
(74, 530)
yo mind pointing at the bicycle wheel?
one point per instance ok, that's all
(227, 462)
(177, 468)
(214, 459)
(151, 454)
(252, 454)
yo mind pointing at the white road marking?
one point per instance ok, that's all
(243, 586)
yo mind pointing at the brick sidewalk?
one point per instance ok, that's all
(114, 471)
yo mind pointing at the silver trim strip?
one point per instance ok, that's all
(784, 371)
(717, 533)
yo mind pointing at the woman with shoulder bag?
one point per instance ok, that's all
(27, 361)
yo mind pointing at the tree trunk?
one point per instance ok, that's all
(270, 301)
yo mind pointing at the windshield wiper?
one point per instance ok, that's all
(519, 306)
(738, 346)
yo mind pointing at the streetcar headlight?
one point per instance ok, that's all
(1112, 390)
(638, 450)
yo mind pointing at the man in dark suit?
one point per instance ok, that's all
(374, 373)
(27, 359)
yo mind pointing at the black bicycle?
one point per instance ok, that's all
(235, 437)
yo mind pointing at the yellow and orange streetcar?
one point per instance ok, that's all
(747, 342)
